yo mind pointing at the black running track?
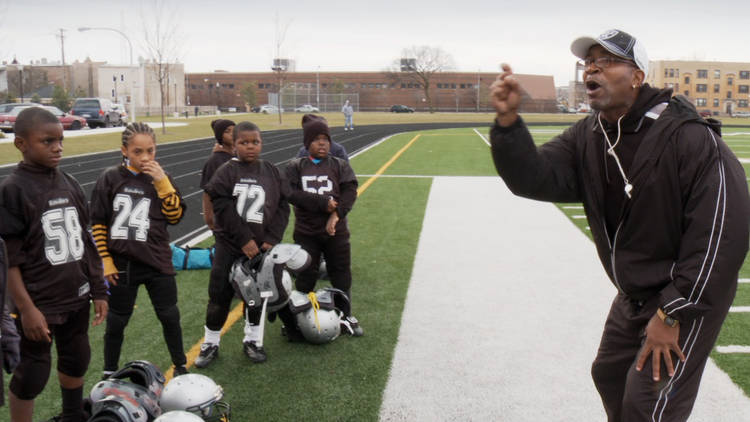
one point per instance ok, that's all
(184, 161)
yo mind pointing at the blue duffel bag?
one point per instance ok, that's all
(191, 258)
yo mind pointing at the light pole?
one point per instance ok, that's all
(20, 73)
(132, 94)
(317, 87)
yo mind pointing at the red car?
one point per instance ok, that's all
(69, 121)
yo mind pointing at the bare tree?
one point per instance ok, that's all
(418, 64)
(162, 43)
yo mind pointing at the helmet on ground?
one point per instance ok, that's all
(143, 373)
(128, 391)
(178, 416)
(117, 409)
(320, 322)
(197, 394)
(291, 255)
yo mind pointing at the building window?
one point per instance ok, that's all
(463, 86)
(716, 88)
(742, 103)
(122, 78)
(666, 72)
(687, 79)
(702, 74)
(744, 74)
(700, 102)
(701, 88)
(671, 73)
(742, 89)
(687, 93)
(440, 86)
(729, 94)
(717, 74)
(716, 102)
(231, 86)
(730, 81)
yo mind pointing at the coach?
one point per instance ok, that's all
(667, 203)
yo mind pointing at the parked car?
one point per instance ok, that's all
(269, 109)
(307, 108)
(400, 108)
(705, 113)
(4, 108)
(741, 114)
(67, 120)
(8, 118)
(123, 114)
(98, 112)
(255, 109)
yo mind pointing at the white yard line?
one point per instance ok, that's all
(483, 138)
(486, 330)
(744, 280)
(739, 309)
(572, 207)
(733, 349)
(578, 217)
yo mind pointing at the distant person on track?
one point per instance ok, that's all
(667, 203)
(323, 191)
(348, 111)
(337, 150)
(131, 206)
(53, 268)
(223, 151)
(250, 200)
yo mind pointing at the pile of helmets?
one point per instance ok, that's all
(136, 393)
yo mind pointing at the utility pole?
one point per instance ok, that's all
(62, 49)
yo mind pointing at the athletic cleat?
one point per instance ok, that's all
(351, 326)
(209, 352)
(180, 370)
(255, 353)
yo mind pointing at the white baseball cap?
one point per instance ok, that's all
(617, 42)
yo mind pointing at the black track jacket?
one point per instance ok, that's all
(682, 237)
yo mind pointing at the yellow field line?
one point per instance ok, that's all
(236, 313)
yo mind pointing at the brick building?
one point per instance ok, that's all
(368, 91)
(719, 87)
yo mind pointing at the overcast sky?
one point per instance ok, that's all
(336, 35)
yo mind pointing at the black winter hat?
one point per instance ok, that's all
(313, 126)
(219, 126)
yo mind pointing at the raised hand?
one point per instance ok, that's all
(505, 96)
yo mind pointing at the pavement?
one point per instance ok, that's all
(505, 326)
(88, 131)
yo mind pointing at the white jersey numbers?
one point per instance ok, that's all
(130, 217)
(62, 231)
(309, 182)
(250, 202)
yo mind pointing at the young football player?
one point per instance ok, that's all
(131, 206)
(251, 213)
(323, 191)
(54, 269)
(223, 151)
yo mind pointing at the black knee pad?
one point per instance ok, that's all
(30, 377)
(216, 315)
(73, 358)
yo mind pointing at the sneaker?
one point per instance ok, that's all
(209, 352)
(350, 326)
(180, 370)
(255, 353)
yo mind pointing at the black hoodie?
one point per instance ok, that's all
(682, 237)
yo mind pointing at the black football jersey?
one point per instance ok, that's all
(212, 164)
(312, 184)
(129, 206)
(250, 203)
(44, 220)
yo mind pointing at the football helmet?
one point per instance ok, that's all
(118, 409)
(197, 394)
(143, 373)
(129, 392)
(266, 275)
(178, 416)
(316, 316)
